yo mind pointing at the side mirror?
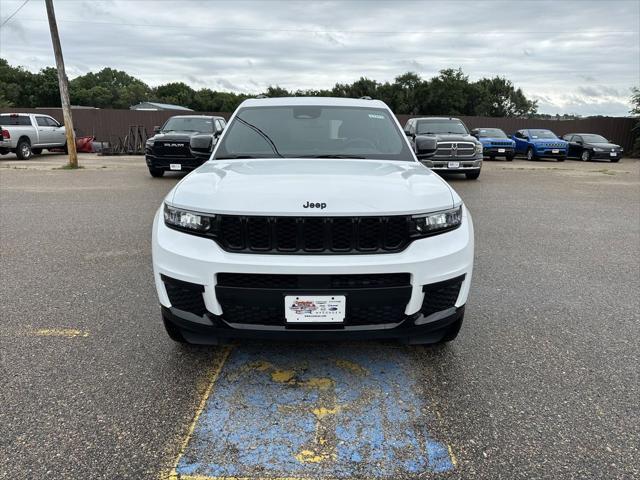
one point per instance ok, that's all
(408, 133)
(202, 143)
(579, 142)
(156, 129)
(425, 146)
(217, 133)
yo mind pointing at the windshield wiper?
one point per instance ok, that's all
(332, 156)
(262, 134)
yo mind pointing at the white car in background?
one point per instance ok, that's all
(313, 220)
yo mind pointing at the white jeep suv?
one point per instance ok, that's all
(313, 220)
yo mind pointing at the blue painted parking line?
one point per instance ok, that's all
(314, 411)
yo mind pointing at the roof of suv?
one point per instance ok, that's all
(320, 101)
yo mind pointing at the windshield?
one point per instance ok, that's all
(314, 132)
(189, 124)
(542, 134)
(491, 133)
(441, 126)
(594, 139)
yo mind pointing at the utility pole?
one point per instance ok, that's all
(64, 86)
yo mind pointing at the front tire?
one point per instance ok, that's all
(586, 156)
(530, 154)
(510, 157)
(472, 175)
(562, 159)
(23, 150)
(37, 151)
(156, 172)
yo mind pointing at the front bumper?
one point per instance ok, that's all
(548, 152)
(596, 155)
(186, 163)
(411, 330)
(428, 261)
(498, 151)
(443, 164)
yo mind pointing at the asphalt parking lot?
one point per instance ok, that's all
(542, 383)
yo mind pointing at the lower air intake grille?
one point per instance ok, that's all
(185, 296)
(440, 296)
(257, 280)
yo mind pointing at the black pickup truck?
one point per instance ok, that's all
(445, 145)
(183, 143)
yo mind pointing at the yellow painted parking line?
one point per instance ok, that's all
(59, 332)
(173, 474)
(454, 460)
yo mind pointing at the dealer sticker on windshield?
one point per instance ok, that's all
(315, 308)
(175, 166)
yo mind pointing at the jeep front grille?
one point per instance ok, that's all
(313, 235)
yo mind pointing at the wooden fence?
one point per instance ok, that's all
(109, 124)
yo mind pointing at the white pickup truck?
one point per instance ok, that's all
(27, 134)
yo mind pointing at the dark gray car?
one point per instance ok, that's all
(588, 146)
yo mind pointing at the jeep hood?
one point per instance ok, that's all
(284, 186)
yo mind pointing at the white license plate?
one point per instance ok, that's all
(613, 154)
(555, 150)
(175, 166)
(315, 308)
(501, 150)
(454, 164)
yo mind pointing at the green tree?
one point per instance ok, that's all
(114, 89)
(276, 91)
(178, 93)
(497, 97)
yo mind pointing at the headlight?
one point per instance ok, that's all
(437, 222)
(149, 143)
(191, 222)
(596, 149)
(479, 148)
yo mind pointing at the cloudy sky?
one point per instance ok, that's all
(573, 56)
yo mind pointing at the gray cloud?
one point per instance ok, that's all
(249, 45)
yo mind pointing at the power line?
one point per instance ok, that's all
(354, 32)
(14, 13)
